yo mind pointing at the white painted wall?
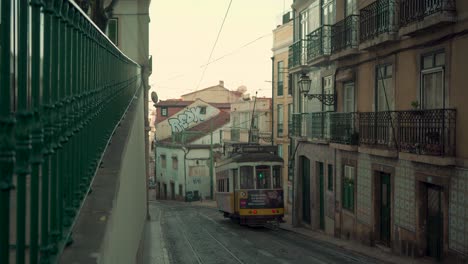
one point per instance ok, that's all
(125, 225)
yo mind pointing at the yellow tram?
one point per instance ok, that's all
(248, 185)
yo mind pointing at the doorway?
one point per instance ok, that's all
(172, 191)
(305, 168)
(385, 208)
(434, 218)
(165, 191)
(321, 198)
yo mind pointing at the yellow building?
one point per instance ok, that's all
(282, 101)
(379, 118)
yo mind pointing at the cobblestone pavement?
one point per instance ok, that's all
(188, 233)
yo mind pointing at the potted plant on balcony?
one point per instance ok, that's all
(416, 107)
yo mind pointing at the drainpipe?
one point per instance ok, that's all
(273, 100)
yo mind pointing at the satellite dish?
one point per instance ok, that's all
(154, 97)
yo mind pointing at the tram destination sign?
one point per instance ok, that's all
(262, 199)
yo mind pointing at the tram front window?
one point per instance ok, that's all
(246, 177)
(263, 177)
(276, 176)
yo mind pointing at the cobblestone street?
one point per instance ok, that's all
(196, 234)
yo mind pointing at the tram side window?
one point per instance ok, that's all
(276, 176)
(263, 177)
(246, 177)
(227, 185)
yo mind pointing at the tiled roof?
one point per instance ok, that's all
(206, 127)
(180, 103)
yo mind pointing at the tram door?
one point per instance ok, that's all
(305, 162)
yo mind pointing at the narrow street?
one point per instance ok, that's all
(189, 233)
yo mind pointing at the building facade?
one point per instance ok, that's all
(283, 102)
(380, 154)
(250, 122)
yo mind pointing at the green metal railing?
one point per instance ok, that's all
(58, 108)
(377, 18)
(319, 42)
(297, 53)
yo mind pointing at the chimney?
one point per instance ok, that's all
(221, 83)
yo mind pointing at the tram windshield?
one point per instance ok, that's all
(276, 176)
(263, 177)
(246, 177)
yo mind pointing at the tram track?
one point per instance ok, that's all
(205, 231)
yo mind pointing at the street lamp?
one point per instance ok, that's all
(304, 83)
(304, 87)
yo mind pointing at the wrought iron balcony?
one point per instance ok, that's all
(343, 128)
(376, 19)
(416, 10)
(319, 43)
(317, 125)
(428, 132)
(297, 54)
(53, 137)
(377, 129)
(296, 128)
(344, 34)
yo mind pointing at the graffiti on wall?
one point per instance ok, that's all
(184, 120)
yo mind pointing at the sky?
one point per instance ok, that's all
(182, 35)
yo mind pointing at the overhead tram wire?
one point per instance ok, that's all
(214, 45)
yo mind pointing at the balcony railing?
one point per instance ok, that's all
(344, 34)
(429, 132)
(317, 125)
(377, 18)
(71, 86)
(297, 53)
(377, 128)
(343, 128)
(319, 42)
(416, 10)
(296, 128)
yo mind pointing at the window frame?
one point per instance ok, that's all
(175, 163)
(280, 79)
(346, 204)
(380, 79)
(109, 22)
(164, 111)
(434, 68)
(163, 161)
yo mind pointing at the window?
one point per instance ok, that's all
(348, 94)
(280, 120)
(203, 110)
(328, 12)
(277, 177)
(280, 78)
(113, 30)
(180, 189)
(290, 118)
(263, 177)
(175, 163)
(164, 111)
(328, 89)
(227, 185)
(290, 86)
(330, 177)
(348, 188)
(384, 92)
(304, 24)
(351, 8)
(163, 161)
(280, 150)
(246, 177)
(432, 81)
